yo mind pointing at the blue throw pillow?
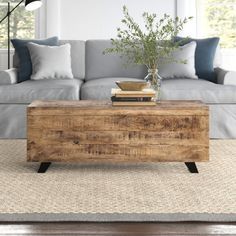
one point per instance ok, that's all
(204, 56)
(25, 66)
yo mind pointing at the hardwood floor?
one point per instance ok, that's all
(118, 229)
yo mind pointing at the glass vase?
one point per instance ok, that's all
(154, 80)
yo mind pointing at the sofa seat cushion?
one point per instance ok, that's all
(192, 89)
(172, 89)
(100, 89)
(28, 91)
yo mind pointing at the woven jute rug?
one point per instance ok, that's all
(123, 192)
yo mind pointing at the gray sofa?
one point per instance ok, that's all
(95, 74)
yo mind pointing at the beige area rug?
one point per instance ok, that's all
(137, 192)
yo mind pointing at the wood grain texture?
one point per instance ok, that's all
(70, 137)
(120, 123)
(89, 108)
(62, 131)
(117, 153)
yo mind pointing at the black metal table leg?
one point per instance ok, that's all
(43, 167)
(192, 167)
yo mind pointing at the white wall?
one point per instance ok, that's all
(98, 19)
(188, 8)
(90, 19)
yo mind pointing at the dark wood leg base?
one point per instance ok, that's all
(192, 167)
(43, 167)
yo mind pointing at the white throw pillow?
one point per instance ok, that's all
(50, 62)
(176, 69)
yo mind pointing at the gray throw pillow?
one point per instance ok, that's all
(176, 69)
(50, 62)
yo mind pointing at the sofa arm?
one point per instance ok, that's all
(8, 76)
(225, 77)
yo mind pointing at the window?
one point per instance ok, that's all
(218, 18)
(22, 23)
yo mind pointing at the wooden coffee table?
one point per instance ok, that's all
(94, 131)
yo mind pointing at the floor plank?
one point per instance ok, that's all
(118, 229)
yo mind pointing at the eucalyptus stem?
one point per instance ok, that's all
(149, 46)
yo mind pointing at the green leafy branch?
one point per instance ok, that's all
(151, 46)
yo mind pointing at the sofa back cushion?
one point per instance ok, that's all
(77, 57)
(99, 65)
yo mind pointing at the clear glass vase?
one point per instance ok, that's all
(154, 80)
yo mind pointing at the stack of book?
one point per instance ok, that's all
(132, 98)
